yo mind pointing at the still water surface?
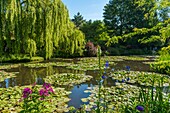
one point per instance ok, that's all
(27, 76)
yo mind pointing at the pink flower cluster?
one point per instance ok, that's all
(26, 92)
(45, 91)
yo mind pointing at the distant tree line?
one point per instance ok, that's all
(43, 28)
(129, 24)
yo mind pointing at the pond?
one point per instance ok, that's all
(26, 75)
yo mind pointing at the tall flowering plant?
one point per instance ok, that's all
(35, 98)
(103, 77)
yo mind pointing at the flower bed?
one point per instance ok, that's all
(46, 98)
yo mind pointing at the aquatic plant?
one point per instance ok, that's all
(123, 97)
(67, 79)
(139, 77)
(93, 64)
(84, 66)
(99, 100)
(151, 99)
(136, 58)
(124, 94)
(34, 99)
(4, 75)
(112, 98)
(9, 66)
(12, 99)
(38, 65)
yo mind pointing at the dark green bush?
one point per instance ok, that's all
(113, 51)
(125, 51)
(16, 58)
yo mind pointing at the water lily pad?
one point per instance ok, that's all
(140, 78)
(4, 75)
(112, 95)
(14, 102)
(38, 65)
(84, 100)
(9, 66)
(67, 79)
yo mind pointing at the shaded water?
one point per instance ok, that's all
(27, 76)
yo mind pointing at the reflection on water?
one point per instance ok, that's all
(77, 94)
(7, 82)
(27, 76)
(134, 65)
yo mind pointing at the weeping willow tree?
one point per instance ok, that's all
(1, 27)
(45, 24)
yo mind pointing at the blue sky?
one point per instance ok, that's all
(89, 9)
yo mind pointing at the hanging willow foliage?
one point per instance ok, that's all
(1, 27)
(31, 47)
(46, 22)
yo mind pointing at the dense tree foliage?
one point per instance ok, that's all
(138, 23)
(43, 27)
(148, 38)
(94, 31)
(122, 16)
(38, 26)
(155, 36)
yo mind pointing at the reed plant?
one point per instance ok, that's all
(151, 100)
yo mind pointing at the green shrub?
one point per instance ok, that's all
(165, 51)
(161, 67)
(164, 57)
(162, 64)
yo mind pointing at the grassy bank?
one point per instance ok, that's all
(18, 58)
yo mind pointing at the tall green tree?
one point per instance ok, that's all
(157, 36)
(38, 26)
(122, 16)
(93, 30)
(161, 8)
(78, 20)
